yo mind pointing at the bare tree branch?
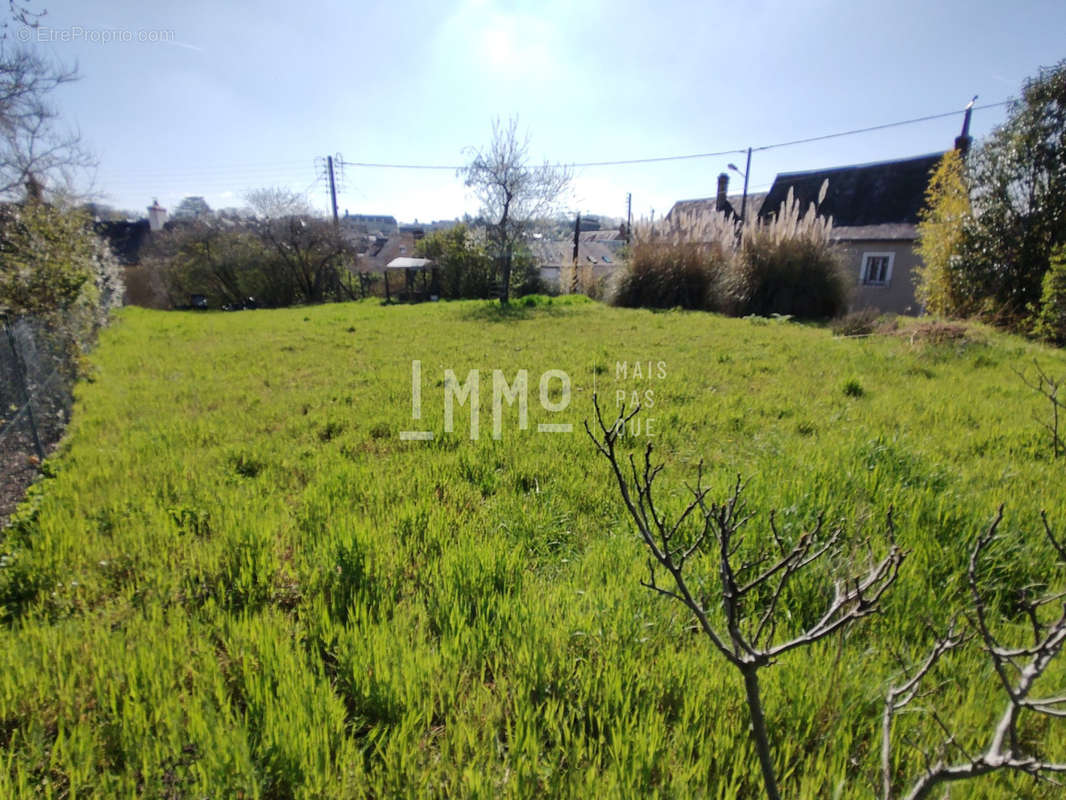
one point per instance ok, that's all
(1018, 669)
(899, 697)
(33, 147)
(1049, 387)
(748, 617)
(514, 195)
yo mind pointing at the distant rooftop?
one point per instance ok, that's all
(382, 222)
(862, 195)
(408, 263)
(710, 204)
(558, 253)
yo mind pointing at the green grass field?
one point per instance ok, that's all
(237, 581)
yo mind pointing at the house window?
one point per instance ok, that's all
(876, 269)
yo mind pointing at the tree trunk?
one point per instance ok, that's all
(758, 731)
(505, 282)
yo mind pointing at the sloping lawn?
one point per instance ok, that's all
(237, 580)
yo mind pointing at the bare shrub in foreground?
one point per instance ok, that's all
(857, 323)
(1048, 387)
(758, 586)
(741, 617)
(1017, 669)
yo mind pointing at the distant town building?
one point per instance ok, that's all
(157, 216)
(377, 250)
(598, 251)
(192, 208)
(370, 223)
(440, 225)
(722, 201)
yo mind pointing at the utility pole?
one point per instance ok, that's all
(333, 189)
(629, 215)
(744, 197)
(577, 230)
(577, 238)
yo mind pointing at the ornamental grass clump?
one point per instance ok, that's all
(784, 264)
(788, 265)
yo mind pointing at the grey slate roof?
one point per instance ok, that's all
(380, 253)
(559, 253)
(860, 196)
(902, 231)
(709, 204)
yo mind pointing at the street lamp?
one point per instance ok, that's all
(744, 175)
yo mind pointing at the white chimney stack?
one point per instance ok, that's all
(157, 216)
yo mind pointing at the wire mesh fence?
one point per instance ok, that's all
(37, 370)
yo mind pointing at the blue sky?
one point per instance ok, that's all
(245, 95)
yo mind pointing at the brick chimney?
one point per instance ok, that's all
(721, 204)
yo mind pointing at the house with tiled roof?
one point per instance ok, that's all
(598, 252)
(874, 208)
(375, 251)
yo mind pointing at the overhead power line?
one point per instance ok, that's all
(399, 166)
(178, 171)
(225, 175)
(576, 164)
(876, 127)
(690, 156)
(623, 162)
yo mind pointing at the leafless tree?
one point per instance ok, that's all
(1049, 387)
(276, 202)
(34, 148)
(513, 194)
(309, 249)
(741, 615)
(1017, 668)
(21, 14)
(216, 256)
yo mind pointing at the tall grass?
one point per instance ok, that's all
(702, 259)
(236, 579)
(671, 275)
